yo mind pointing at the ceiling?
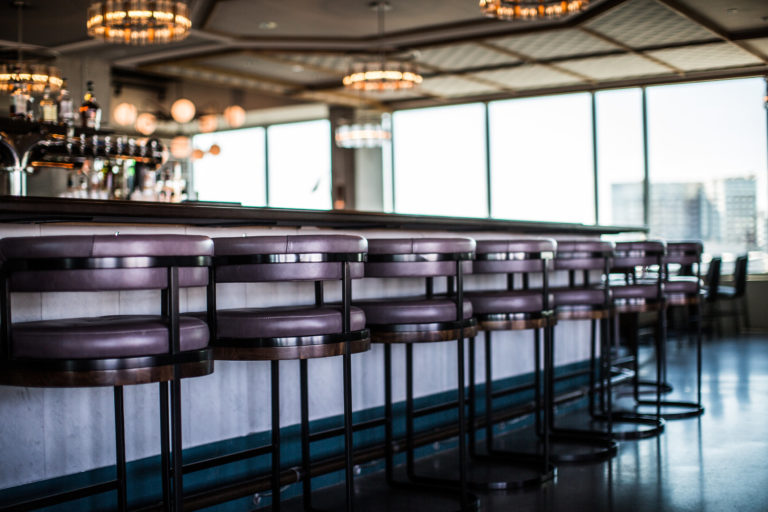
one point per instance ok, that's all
(301, 49)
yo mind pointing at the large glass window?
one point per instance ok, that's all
(300, 165)
(541, 159)
(439, 161)
(620, 160)
(707, 157)
(236, 174)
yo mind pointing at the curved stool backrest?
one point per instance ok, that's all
(103, 263)
(419, 257)
(288, 258)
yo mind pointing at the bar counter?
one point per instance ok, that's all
(40, 209)
(233, 402)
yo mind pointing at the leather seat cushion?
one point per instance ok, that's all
(103, 337)
(411, 310)
(578, 296)
(635, 291)
(503, 301)
(285, 322)
(682, 284)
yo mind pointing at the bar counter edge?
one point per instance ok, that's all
(41, 209)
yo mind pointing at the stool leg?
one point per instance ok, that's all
(122, 501)
(537, 381)
(348, 440)
(605, 355)
(488, 396)
(306, 479)
(409, 411)
(388, 413)
(275, 389)
(549, 343)
(473, 398)
(592, 359)
(462, 425)
(165, 453)
(178, 490)
(698, 352)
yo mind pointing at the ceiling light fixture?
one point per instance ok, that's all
(531, 9)
(29, 77)
(382, 74)
(138, 22)
(362, 135)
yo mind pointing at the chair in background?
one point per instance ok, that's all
(735, 296)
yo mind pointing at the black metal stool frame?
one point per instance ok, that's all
(345, 344)
(602, 440)
(410, 333)
(22, 369)
(538, 322)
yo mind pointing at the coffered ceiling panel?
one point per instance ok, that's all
(452, 86)
(319, 61)
(527, 77)
(615, 67)
(462, 56)
(710, 56)
(251, 64)
(639, 23)
(552, 44)
(760, 45)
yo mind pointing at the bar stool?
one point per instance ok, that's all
(637, 286)
(115, 350)
(424, 319)
(585, 297)
(294, 332)
(683, 291)
(512, 309)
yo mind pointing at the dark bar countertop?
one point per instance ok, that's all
(42, 209)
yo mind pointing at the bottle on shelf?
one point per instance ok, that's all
(49, 110)
(66, 107)
(19, 102)
(90, 111)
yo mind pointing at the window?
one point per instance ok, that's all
(707, 163)
(620, 160)
(541, 159)
(300, 165)
(439, 161)
(237, 173)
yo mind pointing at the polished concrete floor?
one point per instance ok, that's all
(717, 462)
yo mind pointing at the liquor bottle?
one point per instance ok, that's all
(66, 107)
(19, 102)
(49, 111)
(90, 111)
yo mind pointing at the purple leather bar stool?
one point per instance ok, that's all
(517, 307)
(115, 350)
(427, 318)
(686, 291)
(637, 287)
(294, 332)
(585, 297)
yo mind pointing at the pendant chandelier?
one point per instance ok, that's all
(531, 9)
(382, 73)
(30, 76)
(138, 22)
(370, 134)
